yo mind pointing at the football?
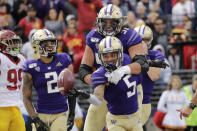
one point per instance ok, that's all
(66, 81)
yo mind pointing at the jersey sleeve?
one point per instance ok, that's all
(133, 38)
(88, 39)
(65, 58)
(98, 77)
(28, 66)
(155, 55)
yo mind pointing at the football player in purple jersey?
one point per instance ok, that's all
(51, 111)
(151, 76)
(110, 23)
(121, 98)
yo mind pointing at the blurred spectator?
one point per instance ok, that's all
(178, 34)
(174, 57)
(3, 23)
(5, 12)
(190, 57)
(160, 36)
(71, 19)
(183, 7)
(190, 90)
(43, 6)
(146, 4)
(140, 12)
(187, 24)
(75, 43)
(131, 19)
(55, 22)
(194, 21)
(121, 4)
(20, 9)
(171, 100)
(165, 74)
(30, 21)
(19, 31)
(166, 6)
(27, 49)
(87, 12)
(152, 16)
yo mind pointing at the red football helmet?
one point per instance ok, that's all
(10, 43)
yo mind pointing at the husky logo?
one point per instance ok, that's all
(113, 122)
(32, 65)
(93, 39)
(37, 69)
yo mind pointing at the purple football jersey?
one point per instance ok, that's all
(147, 83)
(128, 37)
(121, 98)
(45, 76)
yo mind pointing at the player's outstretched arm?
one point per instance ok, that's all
(27, 93)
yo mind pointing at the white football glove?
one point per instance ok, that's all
(115, 76)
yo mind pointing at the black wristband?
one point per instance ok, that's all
(192, 105)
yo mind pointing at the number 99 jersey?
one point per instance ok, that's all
(11, 80)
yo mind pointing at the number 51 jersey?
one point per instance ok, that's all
(10, 80)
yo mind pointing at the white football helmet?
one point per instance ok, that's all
(111, 44)
(146, 33)
(110, 12)
(39, 40)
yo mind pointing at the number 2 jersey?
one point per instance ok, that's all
(121, 98)
(45, 76)
(10, 80)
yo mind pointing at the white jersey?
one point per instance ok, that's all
(10, 80)
(169, 102)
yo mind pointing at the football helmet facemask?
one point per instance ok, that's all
(113, 46)
(113, 14)
(10, 43)
(45, 42)
(146, 33)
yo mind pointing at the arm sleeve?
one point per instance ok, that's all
(134, 38)
(98, 78)
(162, 102)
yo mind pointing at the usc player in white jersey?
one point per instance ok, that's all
(11, 63)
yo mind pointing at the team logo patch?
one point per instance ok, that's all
(49, 68)
(37, 69)
(59, 64)
(32, 65)
(113, 122)
(93, 39)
